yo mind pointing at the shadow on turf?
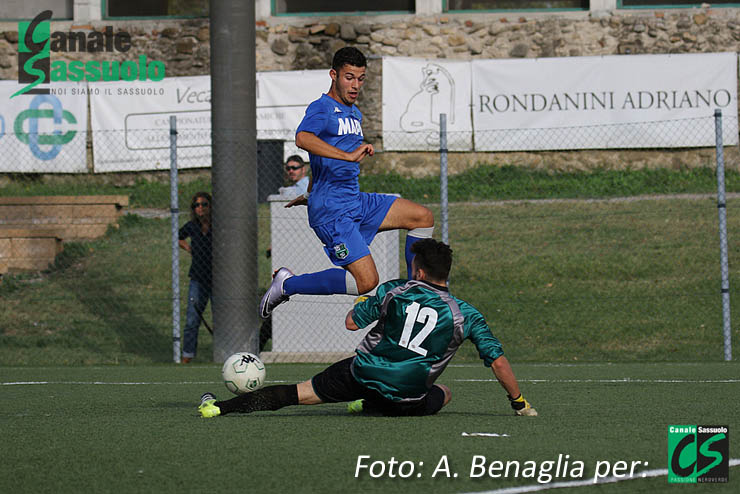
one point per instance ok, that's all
(339, 411)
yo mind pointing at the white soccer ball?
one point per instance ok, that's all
(243, 372)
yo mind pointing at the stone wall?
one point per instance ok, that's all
(309, 43)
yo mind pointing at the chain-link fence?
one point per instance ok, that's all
(559, 276)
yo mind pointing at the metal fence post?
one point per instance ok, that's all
(444, 211)
(174, 220)
(234, 179)
(722, 209)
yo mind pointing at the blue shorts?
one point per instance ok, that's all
(346, 239)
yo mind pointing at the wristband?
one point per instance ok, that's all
(517, 403)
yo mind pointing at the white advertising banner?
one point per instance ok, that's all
(43, 133)
(282, 98)
(130, 120)
(635, 101)
(415, 92)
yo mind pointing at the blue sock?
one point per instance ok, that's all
(410, 240)
(326, 282)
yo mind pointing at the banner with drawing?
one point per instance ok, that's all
(609, 102)
(415, 92)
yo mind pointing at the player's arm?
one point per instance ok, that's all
(349, 323)
(490, 350)
(302, 200)
(505, 376)
(368, 310)
(314, 145)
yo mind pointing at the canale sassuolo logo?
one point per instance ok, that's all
(36, 42)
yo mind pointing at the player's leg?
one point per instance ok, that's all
(333, 384)
(437, 397)
(408, 215)
(285, 283)
(271, 398)
(364, 274)
(356, 278)
(267, 398)
(307, 395)
(346, 247)
(447, 392)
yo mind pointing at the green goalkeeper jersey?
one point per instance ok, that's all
(419, 328)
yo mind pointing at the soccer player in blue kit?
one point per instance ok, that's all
(345, 219)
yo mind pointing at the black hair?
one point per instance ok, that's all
(295, 158)
(434, 257)
(196, 196)
(349, 55)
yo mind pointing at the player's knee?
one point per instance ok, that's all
(367, 283)
(422, 217)
(427, 218)
(447, 392)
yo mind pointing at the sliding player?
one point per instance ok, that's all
(419, 328)
(345, 219)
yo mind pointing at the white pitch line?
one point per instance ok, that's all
(583, 483)
(626, 380)
(104, 383)
(533, 381)
(99, 383)
(483, 434)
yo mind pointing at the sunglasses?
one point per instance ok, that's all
(196, 204)
(293, 167)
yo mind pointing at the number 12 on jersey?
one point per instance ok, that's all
(424, 315)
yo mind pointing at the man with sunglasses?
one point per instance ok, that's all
(295, 168)
(343, 218)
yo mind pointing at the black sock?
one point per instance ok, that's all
(269, 398)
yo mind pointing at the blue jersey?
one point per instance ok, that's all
(335, 189)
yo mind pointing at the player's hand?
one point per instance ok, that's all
(522, 407)
(362, 151)
(298, 201)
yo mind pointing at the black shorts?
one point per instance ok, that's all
(336, 384)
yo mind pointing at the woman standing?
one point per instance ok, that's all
(198, 229)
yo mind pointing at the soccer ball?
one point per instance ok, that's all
(243, 372)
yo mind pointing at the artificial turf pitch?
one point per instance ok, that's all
(135, 429)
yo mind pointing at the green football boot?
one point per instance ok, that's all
(355, 406)
(207, 407)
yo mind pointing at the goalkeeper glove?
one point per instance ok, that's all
(521, 406)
